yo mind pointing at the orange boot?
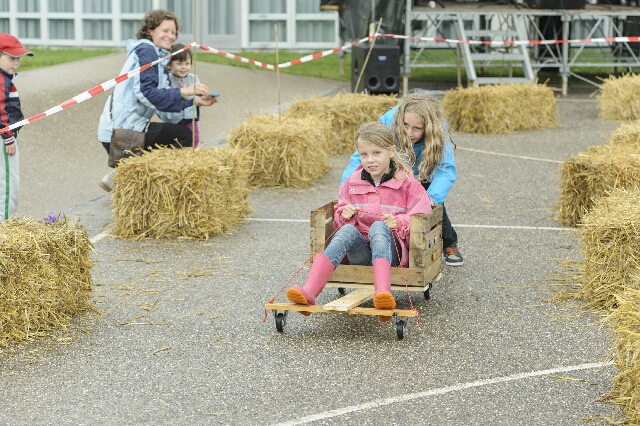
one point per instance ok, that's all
(383, 299)
(319, 274)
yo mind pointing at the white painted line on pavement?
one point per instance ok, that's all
(98, 237)
(257, 219)
(440, 391)
(501, 154)
(457, 225)
(533, 228)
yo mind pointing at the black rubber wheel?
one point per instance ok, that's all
(401, 329)
(281, 320)
(342, 291)
(427, 293)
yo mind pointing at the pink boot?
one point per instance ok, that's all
(383, 299)
(321, 270)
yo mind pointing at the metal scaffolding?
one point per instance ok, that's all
(487, 21)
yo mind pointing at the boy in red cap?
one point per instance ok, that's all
(11, 50)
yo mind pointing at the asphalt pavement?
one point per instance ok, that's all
(181, 338)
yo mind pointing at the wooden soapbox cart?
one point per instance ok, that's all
(425, 262)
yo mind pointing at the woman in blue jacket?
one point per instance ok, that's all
(419, 130)
(135, 100)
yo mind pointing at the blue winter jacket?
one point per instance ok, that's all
(442, 178)
(136, 99)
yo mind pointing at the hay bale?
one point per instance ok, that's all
(594, 174)
(610, 235)
(345, 112)
(626, 329)
(627, 135)
(620, 97)
(288, 151)
(180, 193)
(45, 276)
(501, 108)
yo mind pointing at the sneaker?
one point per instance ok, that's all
(107, 181)
(452, 256)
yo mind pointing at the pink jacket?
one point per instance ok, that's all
(399, 198)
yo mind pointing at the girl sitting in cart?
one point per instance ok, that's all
(373, 215)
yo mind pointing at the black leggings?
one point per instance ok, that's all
(165, 134)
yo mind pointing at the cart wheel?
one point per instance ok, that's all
(401, 329)
(342, 291)
(427, 292)
(281, 320)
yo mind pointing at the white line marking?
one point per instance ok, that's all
(533, 228)
(456, 225)
(257, 219)
(510, 155)
(98, 237)
(440, 391)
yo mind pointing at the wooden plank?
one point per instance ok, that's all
(351, 300)
(321, 219)
(422, 224)
(432, 272)
(355, 311)
(364, 275)
(423, 257)
(400, 287)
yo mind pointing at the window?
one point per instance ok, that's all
(4, 5)
(28, 28)
(263, 31)
(96, 6)
(184, 11)
(315, 31)
(308, 6)
(274, 6)
(95, 29)
(29, 6)
(4, 25)
(221, 17)
(129, 29)
(61, 29)
(61, 6)
(135, 6)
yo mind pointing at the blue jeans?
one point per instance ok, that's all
(348, 241)
(449, 235)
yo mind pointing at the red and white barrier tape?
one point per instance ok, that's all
(111, 83)
(631, 39)
(91, 92)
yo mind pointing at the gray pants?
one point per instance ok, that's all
(9, 190)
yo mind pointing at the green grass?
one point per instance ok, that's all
(45, 57)
(326, 67)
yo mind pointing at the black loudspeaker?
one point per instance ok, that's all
(382, 73)
(556, 4)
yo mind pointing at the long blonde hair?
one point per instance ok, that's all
(430, 111)
(377, 134)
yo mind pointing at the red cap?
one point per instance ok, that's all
(12, 46)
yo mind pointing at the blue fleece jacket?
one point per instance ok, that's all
(442, 178)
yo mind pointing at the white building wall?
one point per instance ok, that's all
(109, 23)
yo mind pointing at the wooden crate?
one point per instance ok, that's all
(425, 252)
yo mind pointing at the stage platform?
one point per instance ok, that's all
(499, 22)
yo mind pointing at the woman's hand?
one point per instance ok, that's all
(390, 221)
(348, 211)
(205, 100)
(198, 89)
